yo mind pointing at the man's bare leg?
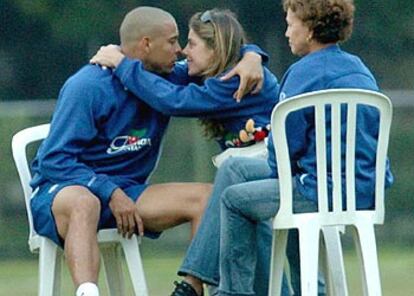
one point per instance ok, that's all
(162, 206)
(76, 211)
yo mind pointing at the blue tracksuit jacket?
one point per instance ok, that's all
(213, 99)
(103, 136)
(329, 68)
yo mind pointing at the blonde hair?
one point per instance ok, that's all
(222, 32)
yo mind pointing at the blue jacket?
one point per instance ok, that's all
(101, 136)
(329, 68)
(213, 99)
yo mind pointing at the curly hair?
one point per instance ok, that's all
(329, 20)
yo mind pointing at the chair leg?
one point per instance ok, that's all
(309, 253)
(277, 261)
(334, 269)
(58, 271)
(364, 237)
(324, 266)
(287, 273)
(134, 263)
(113, 268)
(50, 258)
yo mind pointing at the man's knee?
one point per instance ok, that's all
(205, 193)
(195, 200)
(200, 198)
(75, 204)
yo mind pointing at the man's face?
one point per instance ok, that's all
(163, 49)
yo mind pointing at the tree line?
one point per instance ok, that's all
(44, 41)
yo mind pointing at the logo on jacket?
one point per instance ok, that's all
(134, 141)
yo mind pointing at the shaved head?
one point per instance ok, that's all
(143, 21)
(151, 35)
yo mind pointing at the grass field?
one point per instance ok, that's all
(397, 272)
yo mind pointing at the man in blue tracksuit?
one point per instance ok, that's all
(92, 170)
(102, 147)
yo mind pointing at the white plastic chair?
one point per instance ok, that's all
(50, 255)
(309, 225)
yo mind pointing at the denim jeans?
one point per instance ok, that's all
(244, 207)
(202, 257)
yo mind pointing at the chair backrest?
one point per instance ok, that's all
(20, 141)
(335, 99)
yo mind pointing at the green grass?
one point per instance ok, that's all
(20, 277)
(397, 270)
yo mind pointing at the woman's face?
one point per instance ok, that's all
(298, 34)
(199, 55)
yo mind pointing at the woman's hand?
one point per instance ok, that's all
(108, 56)
(250, 71)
